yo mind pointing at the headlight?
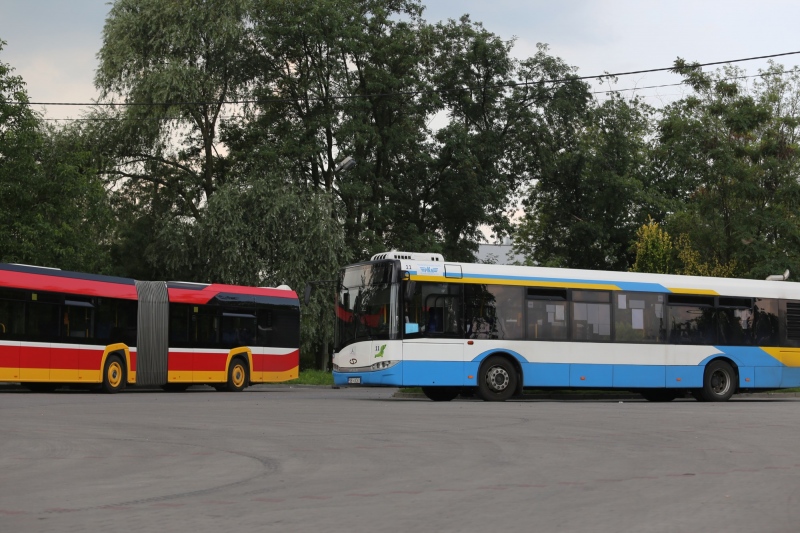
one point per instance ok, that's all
(382, 365)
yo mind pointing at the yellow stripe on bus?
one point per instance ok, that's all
(707, 292)
(520, 282)
(286, 375)
(787, 356)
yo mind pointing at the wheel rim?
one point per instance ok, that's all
(497, 379)
(114, 374)
(720, 382)
(237, 376)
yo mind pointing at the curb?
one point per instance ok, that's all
(610, 396)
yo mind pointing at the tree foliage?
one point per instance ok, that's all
(591, 191)
(728, 157)
(53, 209)
(654, 250)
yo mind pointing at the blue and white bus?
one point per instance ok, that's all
(412, 319)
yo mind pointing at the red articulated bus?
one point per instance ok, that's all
(59, 327)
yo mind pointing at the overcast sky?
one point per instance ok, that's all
(53, 44)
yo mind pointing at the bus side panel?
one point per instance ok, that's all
(746, 377)
(545, 374)
(65, 362)
(634, 376)
(90, 359)
(277, 366)
(440, 373)
(790, 377)
(685, 377)
(591, 375)
(768, 376)
(9, 361)
(209, 366)
(179, 366)
(34, 361)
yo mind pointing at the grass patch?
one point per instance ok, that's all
(313, 377)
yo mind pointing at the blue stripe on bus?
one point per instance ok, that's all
(623, 285)
(756, 369)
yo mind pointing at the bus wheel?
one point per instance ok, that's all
(237, 375)
(719, 382)
(658, 395)
(441, 394)
(113, 375)
(41, 387)
(497, 379)
(697, 394)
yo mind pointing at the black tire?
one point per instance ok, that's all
(41, 387)
(697, 394)
(719, 382)
(238, 377)
(113, 375)
(175, 387)
(659, 395)
(497, 379)
(441, 394)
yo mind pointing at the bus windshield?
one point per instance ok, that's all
(366, 304)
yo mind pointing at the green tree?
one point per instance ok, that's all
(590, 192)
(728, 156)
(174, 66)
(654, 250)
(53, 208)
(252, 236)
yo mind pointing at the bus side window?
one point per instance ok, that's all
(42, 319)
(691, 320)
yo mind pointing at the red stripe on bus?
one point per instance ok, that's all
(9, 356)
(45, 283)
(203, 296)
(276, 363)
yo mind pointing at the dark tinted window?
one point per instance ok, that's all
(278, 326)
(42, 320)
(238, 327)
(78, 318)
(691, 324)
(436, 310)
(766, 326)
(590, 316)
(639, 317)
(493, 312)
(12, 318)
(115, 320)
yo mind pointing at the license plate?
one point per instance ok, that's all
(354, 381)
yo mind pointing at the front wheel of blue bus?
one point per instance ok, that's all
(497, 379)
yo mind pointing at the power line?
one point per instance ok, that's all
(419, 92)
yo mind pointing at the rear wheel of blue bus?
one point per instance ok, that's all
(497, 379)
(719, 382)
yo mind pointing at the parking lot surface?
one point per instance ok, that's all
(278, 458)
